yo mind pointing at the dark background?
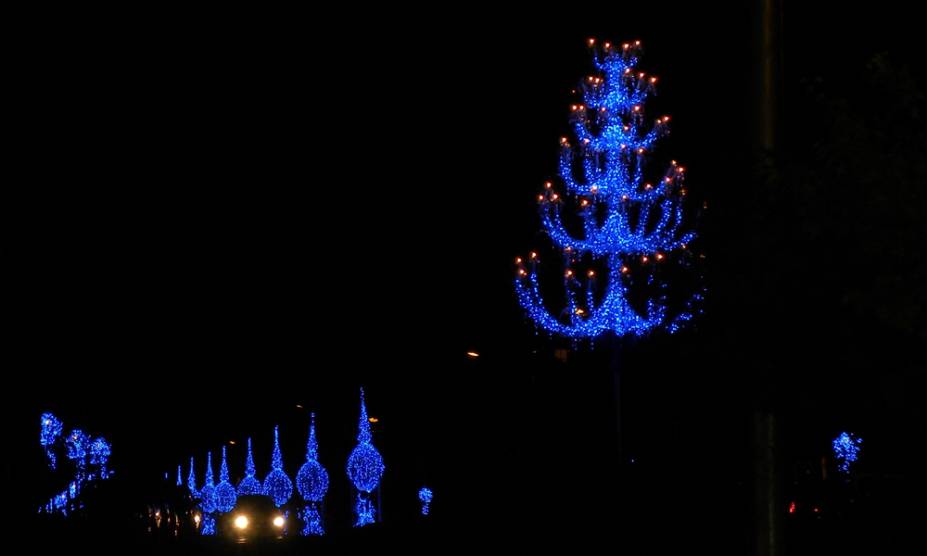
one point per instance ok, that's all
(228, 214)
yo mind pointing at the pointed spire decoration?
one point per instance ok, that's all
(191, 480)
(277, 459)
(277, 485)
(179, 476)
(208, 493)
(312, 445)
(312, 483)
(363, 424)
(224, 469)
(365, 467)
(250, 484)
(225, 492)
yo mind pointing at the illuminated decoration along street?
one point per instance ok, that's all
(277, 484)
(631, 229)
(250, 484)
(208, 492)
(424, 496)
(225, 492)
(365, 468)
(50, 433)
(846, 450)
(312, 484)
(191, 481)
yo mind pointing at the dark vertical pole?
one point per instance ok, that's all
(768, 509)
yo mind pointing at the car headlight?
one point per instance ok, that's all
(241, 522)
(279, 521)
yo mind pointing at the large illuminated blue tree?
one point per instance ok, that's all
(365, 468)
(250, 484)
(312, 483)
(626, 230)
(277, 484)
(225, 492)
(51, 431)
(78, 446)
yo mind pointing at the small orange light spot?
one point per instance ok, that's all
(648, 187)
(522, 272)
(232, 442)
(472, 354)
(625, 270)
(517, 261)
(555, 197)
(667, 179)
(533, 255)
(644, 259)
(660, 256)
(373, 420)
(591, 274)
(591, 41)
(540, 198)
(608, 45)
(792, 507)
(637, 108)
(594, 188)
(626, 46)
(653, 80)
(548, 185)
(624, 198)
(637, 43)
(569, 273)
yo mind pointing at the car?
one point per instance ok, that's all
(253, 518)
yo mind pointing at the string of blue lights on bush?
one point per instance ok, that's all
(250, 484)
(365, 468)
(424, 496)
(277, 484)
(312, 484)
(89, 456)
(846, 450)
(50, 433)
(631, 228)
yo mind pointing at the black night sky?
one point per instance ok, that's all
(220, 216)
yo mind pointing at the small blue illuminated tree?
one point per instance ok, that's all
(208, 492)
(78, 445)
(627, 229)
(99, 455)
(846, 450)
(250, 484)
(277, 484)
(225, 492)
(191, 481)
(424, 496)
(51, 429)
(312, 483)
(179, 476)
(365, 468)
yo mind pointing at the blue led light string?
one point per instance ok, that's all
(51, 429)
(629, 225)
(424, 496)
(225, 492)
(365, 468)
(846, 450)
(208, 492)
(250, 484)
(277, 484)
(312, 484)
(191, 481)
